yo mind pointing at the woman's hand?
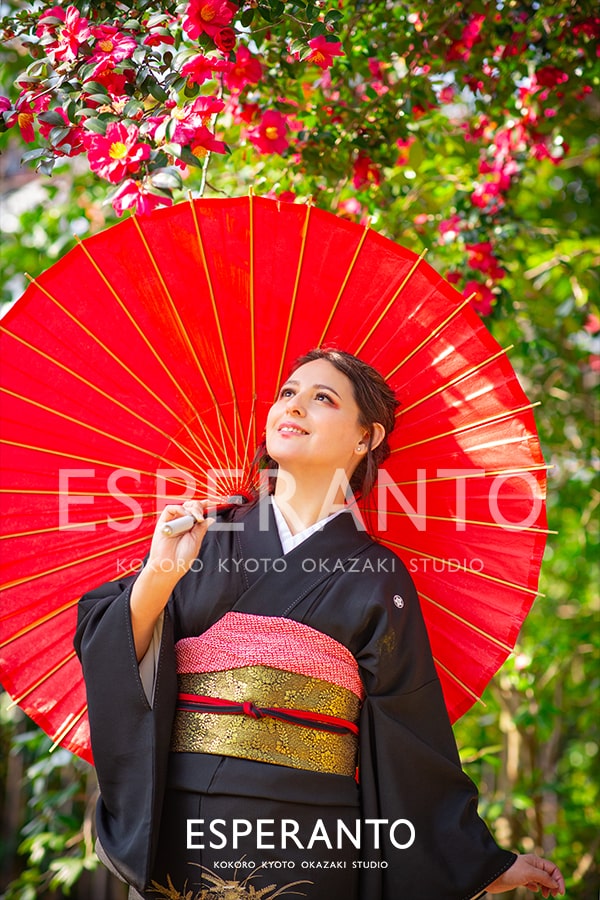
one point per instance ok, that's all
(170, 557)
(533, 872)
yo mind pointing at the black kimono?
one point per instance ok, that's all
(420, 835)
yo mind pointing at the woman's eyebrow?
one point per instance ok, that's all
(320, 387)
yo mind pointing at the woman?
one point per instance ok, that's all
(286, 647)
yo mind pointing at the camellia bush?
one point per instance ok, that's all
(348, 102)
(467, 129)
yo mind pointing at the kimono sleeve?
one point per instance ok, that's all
(433, 841)
(130, 737)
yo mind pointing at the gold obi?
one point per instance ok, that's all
(263, 738)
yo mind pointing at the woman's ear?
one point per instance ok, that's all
(377, 435)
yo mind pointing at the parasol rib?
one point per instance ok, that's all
(432, 334)
(69, 724)
(85, 459)
(363, 237)
(462, 429)
(32, 625)
(457, 520)
(106, 552)
(246, 456)
(395, 296)
(215, 312)
(45, 677)
(116, 359)
(477, 473)
(458, 567)
(453, 381)
(73, 526)
(105, 394)
(458, 681)
(490, 637)
(139, 330)
(55, 493)
(294, 294)
(81, 423)
(252, 314)
(186, 340)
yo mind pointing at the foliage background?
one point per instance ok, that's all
(453, 126)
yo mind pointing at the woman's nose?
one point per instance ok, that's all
(295, 406)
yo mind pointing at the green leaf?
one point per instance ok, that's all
(30, 155)
(97, 126)
(37, 69)
(96, 88)
(333, 16)
(156, 90)
(265, 12)
(156, 19)
(317, 29)
(46, 167)
(246, 17)
(132, 107)
(51, 117)
(58, 134)
(167, 179)
(103, 99)
(297, 46)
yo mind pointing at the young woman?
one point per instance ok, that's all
(292, 730)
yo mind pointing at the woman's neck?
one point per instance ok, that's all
(303, 504)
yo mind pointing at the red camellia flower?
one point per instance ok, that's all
(404, 147)
(193, 117)
(481, 257)
(271, 134)
(225, 39)
(365, 172)
(207, 16)
(550, 76)
(74, 32)
(45, 26)
(158, 36)
(114, 82)
(483, 300)
(450, 230)
(323, 51)
(133, 195)
(245, 70)
(111, 47)
(243, 113)
(23, 116)
(349, 208)
(471, 35)
(202, 143)
(592, 324)
(117, 153)
(202, 68)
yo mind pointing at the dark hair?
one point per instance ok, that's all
(376, 402)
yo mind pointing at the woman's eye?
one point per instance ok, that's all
(286, 392)
(324, 397)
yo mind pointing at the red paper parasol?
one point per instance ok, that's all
(149, 356)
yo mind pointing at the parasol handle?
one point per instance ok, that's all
(186, 523)
(178, 526)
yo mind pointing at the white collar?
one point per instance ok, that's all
(289, 540)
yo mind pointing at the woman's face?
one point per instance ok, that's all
(313, 427)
